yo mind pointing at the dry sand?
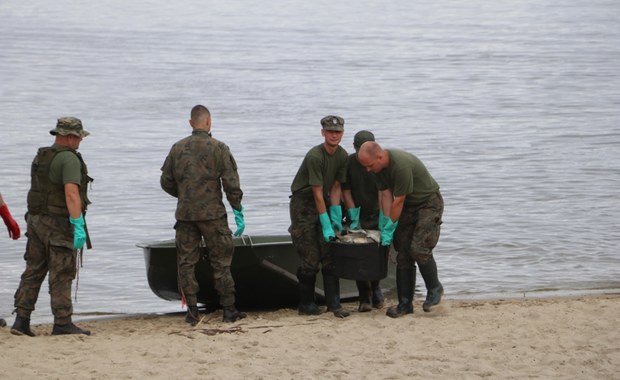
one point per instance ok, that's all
(560, 338)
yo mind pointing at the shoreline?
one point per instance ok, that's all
(390, 298)
(559, 337)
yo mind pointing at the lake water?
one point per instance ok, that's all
(513, 106)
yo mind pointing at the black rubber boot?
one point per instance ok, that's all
(377, 295)
(363, 288)
(434, 289)
(68, 329)
(192, 317)
(21, 327)
(231, 314)
(331, 285)
(307, 305)
(405, 282)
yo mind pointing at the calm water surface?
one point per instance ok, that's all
(513, 106)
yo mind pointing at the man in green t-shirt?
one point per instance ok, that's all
(56, 230)
(411, 199)
(316, 187)
(361, 198)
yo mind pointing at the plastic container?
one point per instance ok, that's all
(362, 262)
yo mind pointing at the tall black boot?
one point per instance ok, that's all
(21, 327)
(231, 314)
(192, 317)
(68, 329)
(434, 289)
(405, 282)
(377, 295)
(331, 285)
(363, 288)
(307, 305)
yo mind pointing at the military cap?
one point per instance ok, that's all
(361, 137)
(69, 126)
(333, 123)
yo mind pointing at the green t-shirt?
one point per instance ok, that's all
(363, 185)
(407, 175)
(321, 169)
(65, 168)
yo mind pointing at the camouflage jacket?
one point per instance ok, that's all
(195, 171)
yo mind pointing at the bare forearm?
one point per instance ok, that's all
(317, 192)
(72, 197)
(335, 194)
(348, 199)
(397, 208)
(385, 201)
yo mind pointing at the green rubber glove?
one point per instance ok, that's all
(382, 220)
(326, 225)
(335, 214)
(239, 221)
(354, 216)
(387, 234)
(79, 234)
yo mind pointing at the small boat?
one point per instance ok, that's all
(263, 267)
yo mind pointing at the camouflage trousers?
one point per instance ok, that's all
(306, 234)
(418, 232)
(219, 246)
(49, 250)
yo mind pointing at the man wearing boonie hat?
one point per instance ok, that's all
(411, 200)
(315, 191)
(361, 197)
(56, 230)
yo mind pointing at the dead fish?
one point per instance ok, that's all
(360, 237)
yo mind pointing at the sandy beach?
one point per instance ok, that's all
(546, 338)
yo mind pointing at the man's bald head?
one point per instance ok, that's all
(372, 157)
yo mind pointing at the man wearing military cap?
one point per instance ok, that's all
(317, 186)
(56, 230)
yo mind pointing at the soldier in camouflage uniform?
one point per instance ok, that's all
(316, 184)
(361, 197)
(414, 223)
(194, 172)
(57, 202)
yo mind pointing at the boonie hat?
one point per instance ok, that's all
(333, 123)
(361, 137)
(69, 126)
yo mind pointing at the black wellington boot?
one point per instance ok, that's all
(405, 282)
(231, 314)
(363, 288)
(434, 289)
(68, 329)
(331, 285)
(307, 305)
(21, 327)
(377, 295)
(192, 317)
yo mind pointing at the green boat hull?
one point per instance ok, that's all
(263, 267)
